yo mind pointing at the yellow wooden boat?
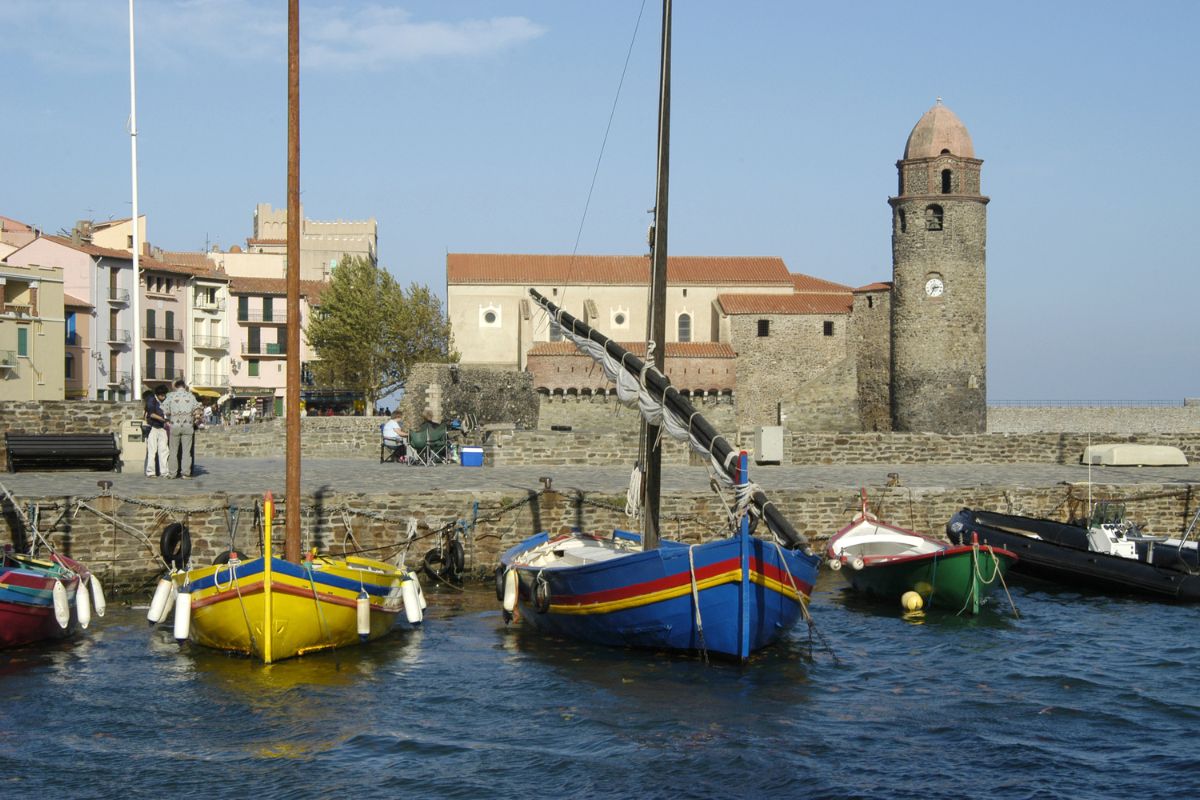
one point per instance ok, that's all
(273, 609)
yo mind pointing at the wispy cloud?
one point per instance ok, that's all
(72, 34)
(374, 37)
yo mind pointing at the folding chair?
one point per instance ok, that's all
(393, 451)
(418, 447)
(439, 445)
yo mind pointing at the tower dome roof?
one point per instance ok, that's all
(938, 131)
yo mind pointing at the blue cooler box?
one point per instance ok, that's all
(472, 456)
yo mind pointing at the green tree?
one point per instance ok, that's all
(369, 331)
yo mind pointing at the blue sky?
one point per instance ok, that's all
(475, 127)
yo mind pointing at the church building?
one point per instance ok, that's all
(787, 349)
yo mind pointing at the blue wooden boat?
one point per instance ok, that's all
(731, 596)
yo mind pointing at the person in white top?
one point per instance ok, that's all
(395, 437)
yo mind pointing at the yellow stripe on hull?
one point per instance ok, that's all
(732, 576)
(232, 613)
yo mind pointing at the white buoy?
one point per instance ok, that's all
(363, 607)
(62, 608)
(412, 601)
(158, 606)
(183, 615)
(857, 562)
(835, 564)
(420, 589)
(510, 590)
(83, 604)
(98, 596)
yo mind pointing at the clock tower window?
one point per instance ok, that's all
(933, 217)
(946, 179)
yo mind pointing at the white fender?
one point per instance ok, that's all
(183, 615)
(412, 602)
(510, 589)
(363, 607)
(420, 590)
(158, 606)
(83, 604)
(835, 564)
(62, 607)
(98, 596)
(857, 563)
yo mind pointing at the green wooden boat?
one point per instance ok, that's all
(887, 561)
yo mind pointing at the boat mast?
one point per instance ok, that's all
(657, 324)
(292, 397)
(135, 374)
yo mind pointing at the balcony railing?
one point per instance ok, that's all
(204, 304)
(264, 349)
(157, 373)
(118, 336)
(210, 342)
(8, 359)
(74, 340)
(210, 379)
(118, 379)
(120, 296)
(162, 334)
(274, 318)
(17, 309)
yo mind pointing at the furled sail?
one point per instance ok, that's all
(641, 385)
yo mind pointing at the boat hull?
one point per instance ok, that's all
(27, 602)
(645, 598)
(302, 608)
(1060, 554)
(955, 579)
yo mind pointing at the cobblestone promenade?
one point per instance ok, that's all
(258, 475)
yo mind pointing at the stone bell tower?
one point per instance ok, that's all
(939, 308)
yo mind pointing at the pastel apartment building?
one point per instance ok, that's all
(31, 333)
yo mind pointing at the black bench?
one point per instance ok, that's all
(63, 451)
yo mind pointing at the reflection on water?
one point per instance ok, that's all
(1060, 703)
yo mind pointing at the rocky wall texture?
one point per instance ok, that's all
(117, 536)
(487, 396)
(603, 413)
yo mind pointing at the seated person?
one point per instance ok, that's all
(395, 437)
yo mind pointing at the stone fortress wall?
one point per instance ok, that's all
(605, 433)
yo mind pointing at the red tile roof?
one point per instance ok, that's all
(878, 286)
(475, 268)
(807, 283)
(156, 265)
(91, 249)
(674, 349)
(276, 286)
(187, 259)
(800, 303)
(75, 302)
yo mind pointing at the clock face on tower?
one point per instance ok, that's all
(934, 287)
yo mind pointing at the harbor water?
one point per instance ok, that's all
(1083, 696)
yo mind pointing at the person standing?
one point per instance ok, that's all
(156, 439)
(182, 410)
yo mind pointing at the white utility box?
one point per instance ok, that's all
(768, 444)
(133, 444)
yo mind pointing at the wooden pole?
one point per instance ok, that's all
(658, 287)
(292, 399)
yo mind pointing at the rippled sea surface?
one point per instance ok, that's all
(1084, 696)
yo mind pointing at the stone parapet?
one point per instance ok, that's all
(1128, 419)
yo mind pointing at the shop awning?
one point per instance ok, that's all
(213, 393)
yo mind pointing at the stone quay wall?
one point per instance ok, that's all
(601, 449)
(117, 537)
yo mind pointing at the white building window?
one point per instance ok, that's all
(489, 316)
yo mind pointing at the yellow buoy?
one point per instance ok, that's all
(911, 601)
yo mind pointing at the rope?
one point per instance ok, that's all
(634, 493)
(696, 601)
(812, 625)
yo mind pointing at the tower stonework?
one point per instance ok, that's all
(939, 309)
